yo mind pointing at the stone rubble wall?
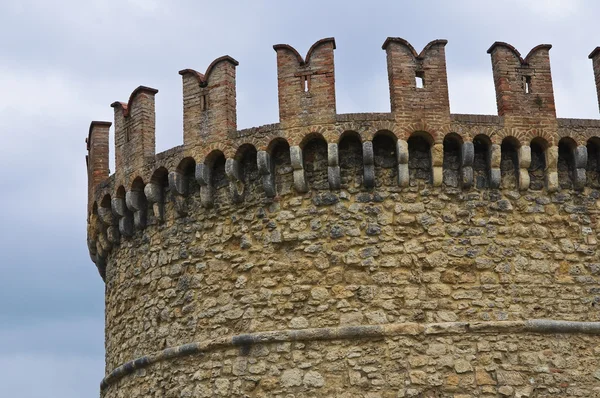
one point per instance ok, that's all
(414, 253)
(390, 256)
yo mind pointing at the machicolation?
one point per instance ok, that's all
(415, 253)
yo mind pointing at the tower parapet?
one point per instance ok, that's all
(418, 82)
(209, 102)
(97, 158)
(523, 85)
(135, 131)
(306, 86)
(383, 254)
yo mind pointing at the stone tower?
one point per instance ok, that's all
(416, 253)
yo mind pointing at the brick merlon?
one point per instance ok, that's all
(595, 53)
(203, 78)
(306, 60)
(404, 42)
(93, 124)
(125, 107)
(517, 54)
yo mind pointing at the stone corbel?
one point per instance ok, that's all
(137, 204)
(368, 164)
(236, 185)
(524, 164)
(92, 250)
(178, 183)
(156, 196)
(103, 246)
(113, 234)
(265, 169)
(466, 170)
(298, 166)
(333, 167)
(109, 221)
(580, 156)
(179, 186)
(402, 157)
(124, 216)
(206, 189)
(552, 169)
(495, 173)
(437, 160)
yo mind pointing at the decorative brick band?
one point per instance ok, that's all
(244, 341)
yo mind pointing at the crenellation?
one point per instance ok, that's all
(209, 102)
(306, 86)
(409, 253)
(135, 129)
(523, 86)
(411, 103)
(97, 158)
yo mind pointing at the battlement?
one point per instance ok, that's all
(407, 253)
(418, 144)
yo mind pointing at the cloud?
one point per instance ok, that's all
(63, 62)
(549, 9)
(50, 375)
(55, 358)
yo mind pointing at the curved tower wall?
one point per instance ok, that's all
(415, 253)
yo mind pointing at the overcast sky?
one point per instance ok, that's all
(62, 62)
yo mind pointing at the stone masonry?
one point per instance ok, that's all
(415, 253)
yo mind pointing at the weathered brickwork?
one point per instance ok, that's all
(410, 254)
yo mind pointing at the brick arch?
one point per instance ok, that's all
(299, 136)
(159, 175)
(362, 130)
(310, 137)
(242, 149)
(589, 135)
(186, 166)
(331, 136)
(208, 150)
(550, 138)
(512, 133)
(576, 136)
(105, 199)
(453, 135)
(430, 138)
(274, 142)
(135, 183)
(347, 133)
(442, 132)
(385, 125)
(420, 126)
(385, 132)
(260, 143)
(568, 140)
(584, 136)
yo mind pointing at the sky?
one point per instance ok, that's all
(63, 62)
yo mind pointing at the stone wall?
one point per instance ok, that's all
(368, 258)
(410, 254)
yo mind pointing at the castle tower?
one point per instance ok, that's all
(415, 253)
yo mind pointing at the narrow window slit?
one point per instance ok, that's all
(527, 84)
(203, 102)
(305, 85)
(420, 79)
